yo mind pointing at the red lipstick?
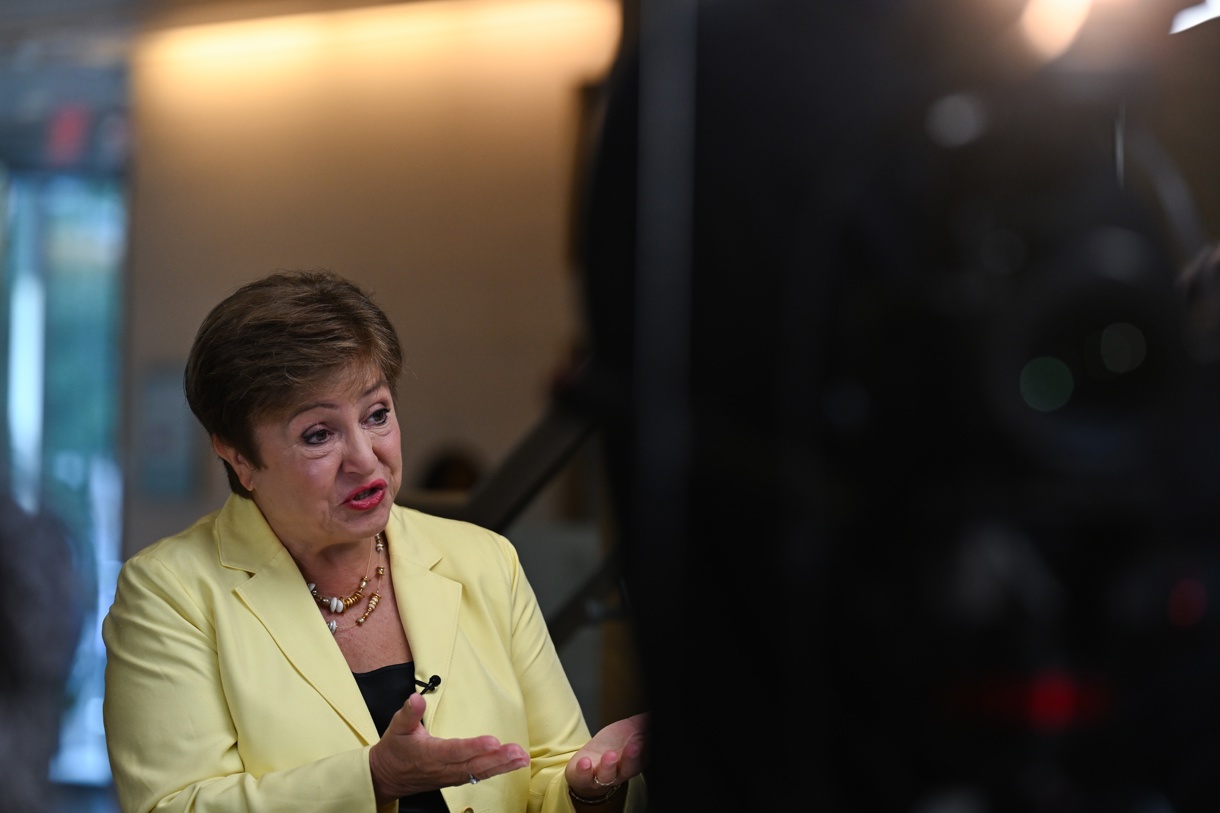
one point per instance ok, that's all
(367, 496)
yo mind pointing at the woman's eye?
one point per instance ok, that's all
(316, 436)
(379, 416)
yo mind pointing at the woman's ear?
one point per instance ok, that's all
(241, 465)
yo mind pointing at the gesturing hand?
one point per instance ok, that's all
(409, 760)
(614, 755)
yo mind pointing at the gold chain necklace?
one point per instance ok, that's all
(338, 605)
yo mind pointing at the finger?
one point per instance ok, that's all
(606, 773)
(460, 751)
(409, 716)
(481, 757)
(506, 758)
(631, 764)
(415, 704)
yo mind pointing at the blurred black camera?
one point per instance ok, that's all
(933, 455)
(1021, 408)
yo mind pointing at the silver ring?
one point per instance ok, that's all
(473, 779)
(602, 784)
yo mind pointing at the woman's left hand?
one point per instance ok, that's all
(614, 755)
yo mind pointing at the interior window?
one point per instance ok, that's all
(63, 242)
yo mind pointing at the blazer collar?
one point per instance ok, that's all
(277, 596)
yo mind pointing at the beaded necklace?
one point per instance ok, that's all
(337, 605)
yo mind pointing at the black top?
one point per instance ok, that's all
(385, 690)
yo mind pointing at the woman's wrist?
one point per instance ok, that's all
(594, 800)
(381, 792)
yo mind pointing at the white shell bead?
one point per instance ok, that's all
(336, 605)
(332, 626)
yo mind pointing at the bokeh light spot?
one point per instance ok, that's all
(1046, 384)
(1187, 602)
(1123, 347)
(956, 120)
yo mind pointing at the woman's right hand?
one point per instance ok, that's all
(409, 760)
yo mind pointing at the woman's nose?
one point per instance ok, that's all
(361, 454)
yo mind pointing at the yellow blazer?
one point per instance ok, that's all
(225, 691)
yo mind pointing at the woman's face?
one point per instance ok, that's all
(330, 468)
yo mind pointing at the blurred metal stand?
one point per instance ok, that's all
(501, 497)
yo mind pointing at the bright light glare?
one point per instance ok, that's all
(1050, 26)
(1190, 17)
(225, 41)
(25, 386)
(421, 23)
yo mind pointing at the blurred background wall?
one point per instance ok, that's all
(424, 149)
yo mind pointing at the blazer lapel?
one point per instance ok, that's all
(428, 604)
(275, 594)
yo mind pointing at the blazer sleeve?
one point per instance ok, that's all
(172, 741)
(555, 722)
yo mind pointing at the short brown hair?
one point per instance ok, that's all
(269, 343)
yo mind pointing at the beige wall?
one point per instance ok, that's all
(424, 149)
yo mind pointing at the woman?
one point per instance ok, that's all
(267, 657)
